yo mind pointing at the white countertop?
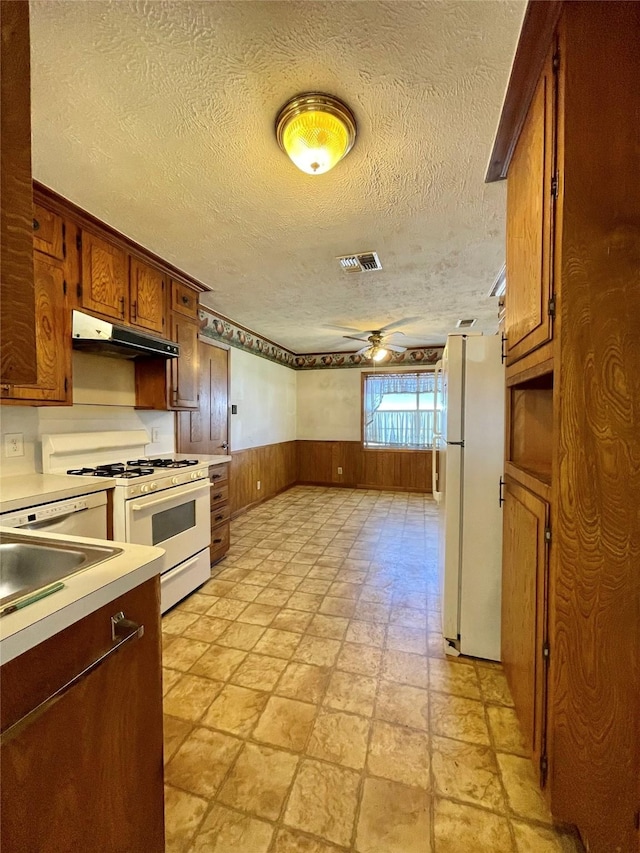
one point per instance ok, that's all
(83, 593)
(25, 490)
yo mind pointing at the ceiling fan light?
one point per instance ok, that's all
(316, 131)
(378, 353)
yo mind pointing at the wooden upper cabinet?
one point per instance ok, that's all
(147, 293)
(184, 370)
(53, 336)
(105, 285)
(184, 300)
(524, 616)
(17, 318)
(530, 213)
(48, 233)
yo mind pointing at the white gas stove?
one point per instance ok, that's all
(158, 500)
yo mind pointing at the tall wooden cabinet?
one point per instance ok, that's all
(569, 146)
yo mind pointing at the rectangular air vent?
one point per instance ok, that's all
(466, 324)
(364, 262)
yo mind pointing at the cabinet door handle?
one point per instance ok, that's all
(218, 518)
(217, 541)
(216, 476)
(123, 631)
(501, 492)
(503, 351)
(185, 300)
(36, 225)
(216, 497)
(122, 306)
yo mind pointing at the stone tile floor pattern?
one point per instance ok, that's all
(309, 707)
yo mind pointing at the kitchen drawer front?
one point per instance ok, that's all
(219, 474)
(220, 540)
(219, 513)
(184, 300)
(219, 495)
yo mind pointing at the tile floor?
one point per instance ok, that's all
(309, 707)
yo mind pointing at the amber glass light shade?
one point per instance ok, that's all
(316, 131)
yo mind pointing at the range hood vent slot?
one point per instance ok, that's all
(363, 262)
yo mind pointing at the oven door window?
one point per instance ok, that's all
(171, 522)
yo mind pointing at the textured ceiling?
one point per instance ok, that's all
(158, 118)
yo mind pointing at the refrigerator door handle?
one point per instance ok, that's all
(455, 443)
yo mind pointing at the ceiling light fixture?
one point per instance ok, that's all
(378, 353)
(316, 131)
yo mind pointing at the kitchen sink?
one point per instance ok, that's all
(28, 564)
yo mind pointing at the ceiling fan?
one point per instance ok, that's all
(378, 344)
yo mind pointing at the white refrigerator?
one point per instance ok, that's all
(470, 451)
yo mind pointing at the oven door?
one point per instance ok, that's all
(177, 519)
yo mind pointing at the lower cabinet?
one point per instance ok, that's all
(524, 613)
(84, 771)
(220, 511)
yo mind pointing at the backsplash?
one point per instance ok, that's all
(34, 422)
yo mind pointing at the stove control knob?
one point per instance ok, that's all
(175, 480)
(194, 475)
(144, 488)
(153, 486)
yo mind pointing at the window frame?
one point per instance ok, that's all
(363, 381)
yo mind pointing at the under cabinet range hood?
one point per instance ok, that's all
(100, 336)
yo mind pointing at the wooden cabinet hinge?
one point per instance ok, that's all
(544, 769)
(636, 819)
(64, 240)
(555, 185)
(546, 651)
(79, 290)
(78, 241)
(551, 307)
(555, 62)
(66, 384)
(547, 534)
(64, 287)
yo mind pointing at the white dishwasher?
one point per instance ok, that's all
(83, 516)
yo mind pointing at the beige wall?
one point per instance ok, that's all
(265, 394)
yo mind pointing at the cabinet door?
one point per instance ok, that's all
(104, 277)
(184, 300)
(524, 610)
(53, 337)
(530, 208)
(147, 294)
(48, 233)
(184, 370)
(206, 430)
(86, 773)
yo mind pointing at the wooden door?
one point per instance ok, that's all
(147, 297)
(530, 208)
(86, 774)
(104, 277)
(524, 610)
(53, 337)
(48, 233)
(184, 370)
(205, 431)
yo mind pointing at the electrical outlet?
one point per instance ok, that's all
(259, 485)
(339, 469)
(155, 434)
(14, 444)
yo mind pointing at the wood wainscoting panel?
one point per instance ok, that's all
(403, 470)
(274, 466)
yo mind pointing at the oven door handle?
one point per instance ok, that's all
(171, 495)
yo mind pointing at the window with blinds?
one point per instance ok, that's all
(399, 410)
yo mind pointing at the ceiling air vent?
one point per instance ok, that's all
(364, 262)
(466, 324)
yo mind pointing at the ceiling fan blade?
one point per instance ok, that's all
(341, 328)
(394, 348)
(352, 338)
(364, 349)
(398, 323)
